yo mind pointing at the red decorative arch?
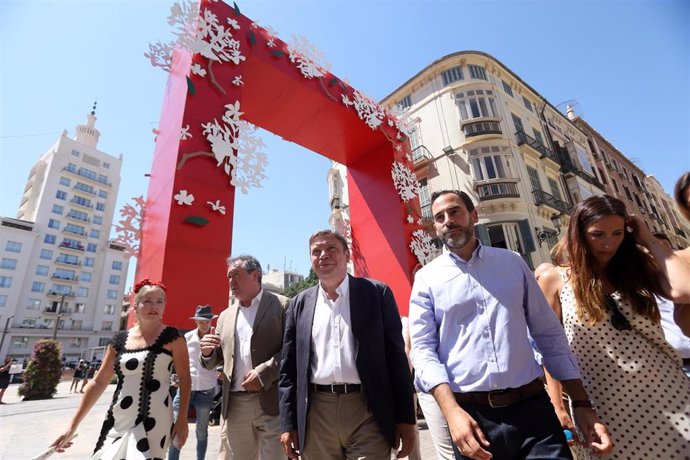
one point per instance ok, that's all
(185, 245)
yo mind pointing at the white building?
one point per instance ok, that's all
(278, 281)
(59, 273)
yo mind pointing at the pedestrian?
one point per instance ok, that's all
(139, 423)
(5, 377)
(78, 376)
(603, 288)
(247, 343)
(88, 373)
(345, 385)
(471, 310)
(203, 382)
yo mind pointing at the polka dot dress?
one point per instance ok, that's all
(635, 381)
(140, 419)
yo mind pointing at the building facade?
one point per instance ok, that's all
(60, 275)
(480, 128)
(277, 281)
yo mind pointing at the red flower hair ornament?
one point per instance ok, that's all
(148, 282)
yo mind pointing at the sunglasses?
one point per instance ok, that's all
(618, 320)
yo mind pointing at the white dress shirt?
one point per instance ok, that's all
(332, 343)
(202, 379)
(244, 328)
(674, 335)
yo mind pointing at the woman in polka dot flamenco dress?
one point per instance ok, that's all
(603, 289)
(139, 423)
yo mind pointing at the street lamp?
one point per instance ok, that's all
(543, 233)
(4, 332)
(57, 319)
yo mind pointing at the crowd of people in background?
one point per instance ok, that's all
(587, 356)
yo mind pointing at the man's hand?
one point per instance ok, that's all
(468, 436)
(595, 433)
(290, 443)
(404, 432)
(252, 382)
(566, 422)
(209, 342)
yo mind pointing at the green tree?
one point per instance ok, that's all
(43, 372)
(309, 281)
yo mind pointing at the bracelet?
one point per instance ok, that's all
(582, 403)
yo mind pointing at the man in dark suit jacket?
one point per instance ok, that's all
(248, 344)
(345, 385)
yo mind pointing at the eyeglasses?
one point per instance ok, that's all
(618, 320)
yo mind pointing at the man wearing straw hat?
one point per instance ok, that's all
(203, 382)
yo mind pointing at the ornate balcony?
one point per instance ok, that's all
(63, 261)
(71, 279)
(479, 128)
(541, 149)
(543, 198)
(73, 247)
(71, 215)
(421, 156)
(496, 190)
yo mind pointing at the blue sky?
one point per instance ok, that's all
(626, 63)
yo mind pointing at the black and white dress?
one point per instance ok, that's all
(140, 418)
(634, 379)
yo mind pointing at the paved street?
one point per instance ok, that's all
(27, 428)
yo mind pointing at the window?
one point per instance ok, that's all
(112, 294)
(487, 167)
(117, 265)
(585, 165)
(13, 246)
(107, 326)
(33, 304)
(405, 103)
(517, 122)
(46, 254)
(476, 104)
(603, 177)
(75, 153)
(78, 215)
(52, 223)
(8, 264)
(538, 136)
(615, 185)
(627, 192)
(106, 165)
(100, 206)
(76, 342)
(84, 188)
(3, 300)
(534, 178)
(477, 72)
(68, 259)
(109, 309)
(91, 247)
(71, 167)
(73, 244)
(103, 179)
(82, 201)
(94, 233)
(85, 276)
(98, 220)
(76, 324)
(555, 191)
(64, 181)
(88, 262)
(60, 195)
(104, 342)
(64, 274)
(507, 88)
(104, 194)
(82, 292)
(20, 342)
(452, 75)
(60, 289)
(89, 174)
(115, 279)
(49, 239)
(76, 229)
(57, 209)
(41, 270)
(528, 104)
(5, 281)
(79, 307)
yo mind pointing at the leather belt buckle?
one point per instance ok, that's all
(496, 393)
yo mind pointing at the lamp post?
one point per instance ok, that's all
(57, 319)
(4, 332)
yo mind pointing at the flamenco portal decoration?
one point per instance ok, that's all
(229, 75)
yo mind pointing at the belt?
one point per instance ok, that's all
(339, 388)
(501, 398)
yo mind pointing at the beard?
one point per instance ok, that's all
(460, 239)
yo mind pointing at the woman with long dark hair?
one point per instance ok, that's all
(603, 288)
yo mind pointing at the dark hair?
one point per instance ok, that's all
(631, 271)
(462, 195)
(320, 233)
(249, 263)
(662, 236)
(679, 192)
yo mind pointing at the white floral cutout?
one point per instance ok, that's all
(367, 110)
(185, 134)
(309, 59)
(217, 206)
(237, 81)
(405, 181)
(184, 198)
(128, 230)
(422, 247)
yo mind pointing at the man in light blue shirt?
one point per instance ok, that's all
(470, 313)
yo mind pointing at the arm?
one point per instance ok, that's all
(287, 384)
(180, 357)
(210, 345)
(93, 391)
